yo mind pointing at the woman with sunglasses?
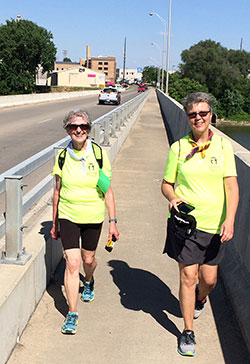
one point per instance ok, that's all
(78, 208)
(202, 163)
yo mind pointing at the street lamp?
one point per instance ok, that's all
(168, 48)
(158, 78)
(164, 44)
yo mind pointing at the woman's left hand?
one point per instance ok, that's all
(227, 230)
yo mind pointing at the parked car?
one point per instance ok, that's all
(109, 95)
(141, 88)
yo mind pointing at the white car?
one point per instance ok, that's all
(109, 95)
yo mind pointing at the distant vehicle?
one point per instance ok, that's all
(109, 95)
(141, 88)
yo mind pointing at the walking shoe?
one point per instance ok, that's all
(70, 323)
(199, 305)
(88, 293)
(187, 343)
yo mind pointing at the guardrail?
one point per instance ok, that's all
(11, 182)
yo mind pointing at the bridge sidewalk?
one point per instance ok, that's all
(135, 317)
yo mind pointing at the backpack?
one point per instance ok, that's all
(97, 153)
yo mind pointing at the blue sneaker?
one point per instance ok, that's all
(70, 323)
(187, 343)
(88, 293)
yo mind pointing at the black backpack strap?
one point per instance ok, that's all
(61, 158)
(97, 153)
(97, 150)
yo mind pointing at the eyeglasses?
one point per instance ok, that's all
(74, 127)
(203, 114)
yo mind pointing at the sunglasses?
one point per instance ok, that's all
(73, 127)
(203, 114)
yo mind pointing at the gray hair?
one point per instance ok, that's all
(195, 98)
(72, 114)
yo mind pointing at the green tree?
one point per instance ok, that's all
(179, 87)
(207, 62)
(66, 59)
(232, 102)
(243, 86)
(149, 74)
(239, 60)
(23, 46)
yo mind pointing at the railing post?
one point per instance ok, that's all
(114, 124)
(122, 116)
(118, 120)
(106, 131)
(96, 132)
(15, 253)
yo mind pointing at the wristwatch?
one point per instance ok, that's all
(113, 220)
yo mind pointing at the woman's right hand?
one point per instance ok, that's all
(174, 203)
(55, 234)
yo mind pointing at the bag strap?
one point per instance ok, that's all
(97, 150)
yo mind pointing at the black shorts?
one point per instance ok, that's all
(71, 232)
(201, 248)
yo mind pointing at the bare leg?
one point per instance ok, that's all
(89, 263)
(207, 280)
(71, 277)
(188, 280)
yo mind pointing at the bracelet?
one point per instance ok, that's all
(113, 220)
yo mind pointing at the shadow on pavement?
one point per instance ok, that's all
(142, 290)
(54, 289)
(231, 340)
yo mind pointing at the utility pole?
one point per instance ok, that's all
(124, 61)
(241, 41)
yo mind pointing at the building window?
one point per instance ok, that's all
(99, 62)
(106, 73)
(106, 63)
(99, 68)
(106, 68)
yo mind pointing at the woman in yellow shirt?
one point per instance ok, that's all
(78, 208)
(202, 164)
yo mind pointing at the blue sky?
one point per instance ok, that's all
(104, 24)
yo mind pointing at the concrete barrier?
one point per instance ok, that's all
(15, 100)
(235, 267)
(21, 287)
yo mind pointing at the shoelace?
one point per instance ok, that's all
(189, 338)
(71, 319)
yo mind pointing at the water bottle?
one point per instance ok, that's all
(110, 244)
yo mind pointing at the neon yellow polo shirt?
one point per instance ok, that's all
(80, 200)
(200, 181)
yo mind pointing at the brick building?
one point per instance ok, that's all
(106, 65)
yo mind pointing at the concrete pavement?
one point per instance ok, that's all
(135, 317)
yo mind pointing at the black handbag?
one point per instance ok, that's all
(180, 227)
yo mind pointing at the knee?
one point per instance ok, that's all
(189, 279)
(210, 282)
(73, 265)
(89, 259)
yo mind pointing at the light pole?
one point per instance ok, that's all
(158, 78)
(168, 48)
(164, 44)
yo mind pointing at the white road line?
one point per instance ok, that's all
(44, 121)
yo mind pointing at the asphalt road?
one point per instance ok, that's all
(28, 129)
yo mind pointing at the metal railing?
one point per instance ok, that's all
(11, 182)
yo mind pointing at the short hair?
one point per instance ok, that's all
(195, 98)
(72, 114)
